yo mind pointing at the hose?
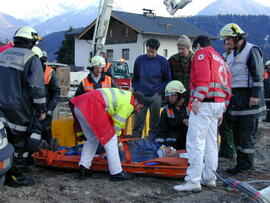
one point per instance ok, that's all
(244, 187)
(258, 181)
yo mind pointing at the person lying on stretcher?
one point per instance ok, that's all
(145, 150)
(140, 150)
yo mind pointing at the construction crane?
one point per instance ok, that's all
(104, 15)
(102, 24)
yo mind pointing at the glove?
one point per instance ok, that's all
(34, 142)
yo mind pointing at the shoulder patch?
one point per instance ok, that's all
(201, 57)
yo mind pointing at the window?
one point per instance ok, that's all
(124, 31)
(109, 54)
(125, 54)
(165, 52)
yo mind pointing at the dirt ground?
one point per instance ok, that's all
(54, 185)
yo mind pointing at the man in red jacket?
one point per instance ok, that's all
(209, 93)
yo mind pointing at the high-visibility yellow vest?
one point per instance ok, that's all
(118, 106)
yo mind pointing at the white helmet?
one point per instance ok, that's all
(267, 63)
(27, 33)
(97, 61)
(37, 51)
(173, 87)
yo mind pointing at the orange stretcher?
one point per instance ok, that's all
(170, 167)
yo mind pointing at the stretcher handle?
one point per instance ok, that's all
(51, 156)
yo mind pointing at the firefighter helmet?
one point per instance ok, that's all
(231, 30)
(27, 33)
(173, 87)
(267, 63)
(37, 51)
(97, 61)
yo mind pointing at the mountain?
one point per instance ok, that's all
(9, 25)
(51, 43)
(78, 18)
(46, 12)
(259, 36)
(50, 9)
(236, 7)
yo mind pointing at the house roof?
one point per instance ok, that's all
(157, 25)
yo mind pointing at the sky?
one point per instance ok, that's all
(22, 9)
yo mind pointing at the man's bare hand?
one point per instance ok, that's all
(42, 116)
(253, 101)
(185, 121)
(196, 106)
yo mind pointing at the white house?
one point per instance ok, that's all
(128, 33)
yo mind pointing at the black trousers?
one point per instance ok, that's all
(227, 147)
(20, 160)
(244, 132)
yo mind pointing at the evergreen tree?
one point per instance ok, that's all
(65, 54)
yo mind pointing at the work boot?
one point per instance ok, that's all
(122, 176)
(209, 184)
(236, 170)
(266, 120)
(188, 186)
(19, 181)
(84, 173)
(26, 169)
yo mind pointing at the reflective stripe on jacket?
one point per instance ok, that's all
(105, 111)
(118, 106)
(210, 77)
(88, 86)
(169, 112)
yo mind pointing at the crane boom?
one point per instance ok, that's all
(102, 24)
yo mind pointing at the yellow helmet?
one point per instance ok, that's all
(27, 33)
(97, 61)
(37, 51)
(231, 30)
(174, 86)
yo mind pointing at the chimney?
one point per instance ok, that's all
(149, 13)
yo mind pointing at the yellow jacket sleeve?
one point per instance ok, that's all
(121, 116)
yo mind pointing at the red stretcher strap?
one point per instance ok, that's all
(125, 145)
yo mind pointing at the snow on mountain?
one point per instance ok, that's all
(8, 25)
(77, 18)
(55, 8)
(240, 7)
